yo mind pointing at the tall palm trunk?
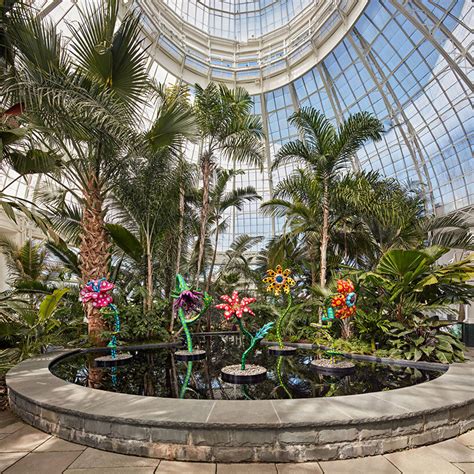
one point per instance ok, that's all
(94, 252)
(214, 256)
(179, 246)
(206, 169)
(324, 233)
(149, 275)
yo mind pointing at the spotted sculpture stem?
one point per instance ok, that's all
(280, 377)
(189, 370)
(280, 321)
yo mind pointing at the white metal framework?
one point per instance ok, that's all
(407, 61)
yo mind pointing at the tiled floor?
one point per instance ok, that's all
(25, 450)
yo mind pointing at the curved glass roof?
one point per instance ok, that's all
(409, 63)
(239, 20)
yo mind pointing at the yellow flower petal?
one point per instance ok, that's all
(267, 280)
(271, 272)
(278, 269)
(287, 272)
(290, 281)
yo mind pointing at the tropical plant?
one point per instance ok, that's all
(408, 283)
(326, 151)
(424, 339)
(227, 128)
(372, 327)
(30, 330)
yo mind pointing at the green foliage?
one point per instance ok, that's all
(140, 326)
(371, 327)
(425, 339)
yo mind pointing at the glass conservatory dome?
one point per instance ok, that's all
(407, 62)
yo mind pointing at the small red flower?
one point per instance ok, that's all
(97, 292)
(235, 306)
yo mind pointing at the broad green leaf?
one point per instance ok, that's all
(50, 303)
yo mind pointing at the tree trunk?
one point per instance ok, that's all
(94, 252)
(179, 246)
(214, 256)
(324, 233)
(206, 169)
(149, 276)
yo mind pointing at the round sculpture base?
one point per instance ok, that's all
(252, 374)
(281, 351)
(187, 356)
(328, 367)
(109, 361)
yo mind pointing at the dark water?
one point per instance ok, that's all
(156, 373)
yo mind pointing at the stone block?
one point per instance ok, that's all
(166, 435)
(126, 431)
(298, 437)
(337, 434)
(375, 431)
(92, 426)
(460, 413)
(227, 454)
(325, 452)
(73, 421)
(360, 448)
(212, 437)
(394, 444)
(407, 426)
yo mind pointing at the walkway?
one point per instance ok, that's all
(26, 450)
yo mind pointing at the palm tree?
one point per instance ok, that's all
(326, 151)
(85, 103)
(219, 202)
(227, 129)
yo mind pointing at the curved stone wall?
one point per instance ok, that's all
(244, 431)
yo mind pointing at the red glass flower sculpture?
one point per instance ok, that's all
(235, 306)
(96, 291)
(345, 299)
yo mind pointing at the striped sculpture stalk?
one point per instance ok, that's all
(190, 306)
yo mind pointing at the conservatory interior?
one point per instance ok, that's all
(236, 236)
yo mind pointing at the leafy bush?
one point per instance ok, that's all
(425, 339)
(372, 327)
(138, 326)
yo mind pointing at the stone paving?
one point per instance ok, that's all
(26, 450)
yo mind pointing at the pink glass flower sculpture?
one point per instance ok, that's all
(235, 306)
(96, 291)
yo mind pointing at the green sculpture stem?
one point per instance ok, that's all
(253, 343)
(280, 377)
(280, 321)
(187, 332)
(243, 330)
(189, 370)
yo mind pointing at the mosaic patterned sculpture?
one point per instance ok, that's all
(342, 304)
(278, 280)
(190, 306)
(96, 292)
(233, 306)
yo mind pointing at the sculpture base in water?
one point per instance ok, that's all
(252, 374)
(109, 361)
(329, 367)
(282, 351)
(187, 356)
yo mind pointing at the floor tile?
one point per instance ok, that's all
(246, 469)
(453, 451)
(12, 427)
(466, 467)
(58, 444)
(467, 438)
(172, 467)
(419, 461)
(43, 463)
(7, 459)
(371, 464)
(25, 439)
(94, 458)
(113, 470)
(299, 468)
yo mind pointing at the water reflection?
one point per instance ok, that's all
(157, 373)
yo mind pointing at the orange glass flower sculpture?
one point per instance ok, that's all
(279, 280)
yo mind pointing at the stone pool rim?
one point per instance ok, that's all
(265, 431)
